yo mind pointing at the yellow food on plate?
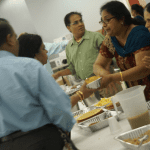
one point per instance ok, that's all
(91, 79)
(89, 114)
(104, 101)
(77, 115)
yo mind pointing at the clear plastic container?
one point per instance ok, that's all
(114, 125)
(133, 103)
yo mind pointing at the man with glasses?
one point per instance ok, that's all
(82, 50)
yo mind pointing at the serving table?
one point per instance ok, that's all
(99, 140)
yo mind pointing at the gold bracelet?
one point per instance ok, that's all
(81, 94)
(121, 76)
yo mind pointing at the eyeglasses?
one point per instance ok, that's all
(106, 20)
(77, 22)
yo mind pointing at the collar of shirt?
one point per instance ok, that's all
(85, 36)
(4, 53)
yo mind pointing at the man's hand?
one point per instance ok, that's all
(56, 75)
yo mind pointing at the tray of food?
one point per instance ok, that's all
(103, 102)
(111, 107)
(93, 82)
(78, 113)
(107, 104)
(69, 90)
(130, 139)
(95, 123)
(73, 90)
(89, 114)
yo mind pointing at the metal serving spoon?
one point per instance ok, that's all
(145, 137)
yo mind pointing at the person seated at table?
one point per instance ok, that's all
(128, 43)
(31, 45)
(137, 11)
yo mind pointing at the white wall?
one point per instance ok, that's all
(147, 1)
(48, 15)
(16, 12)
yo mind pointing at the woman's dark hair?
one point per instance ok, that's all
(138, 8)
(5, 29)
(147, 7)
(119, 11)
(67, 17)
(29, 45)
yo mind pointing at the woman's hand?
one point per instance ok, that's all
(146, 61)
(86, 91)
(105, 81)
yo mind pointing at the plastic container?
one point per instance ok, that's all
(114, 125)
(134, 105)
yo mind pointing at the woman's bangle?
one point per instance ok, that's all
(121, 76)
(81, 94)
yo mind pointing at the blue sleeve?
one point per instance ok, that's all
(55, 102)
(54, 48)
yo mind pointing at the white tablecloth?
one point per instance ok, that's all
(99, 140)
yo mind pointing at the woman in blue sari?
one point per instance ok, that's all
(128, 42)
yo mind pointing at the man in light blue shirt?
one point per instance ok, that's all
(54, 48)
(31, 103)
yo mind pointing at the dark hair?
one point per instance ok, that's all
(67, 17)
(5, 29)
(119, 10)
(147, 7)
(138, 8)
(2, 19)
(29, 45)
